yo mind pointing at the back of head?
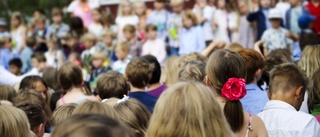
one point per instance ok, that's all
(254, 62)
(89, 125)
(62, 113)
(112, 84)
(134, 115)
(195, 56)
(235, 47)
(223, 68)
(139, 72)
(50, 76)
(16, 62)
(314, 91)
(13, 122)
(170, 70)
(39, 56)
(93, 107)
(7, 93)
(310, 60)
(287, 77)
(188, 109)
(156, 74)
(70, 75)
(192, 71)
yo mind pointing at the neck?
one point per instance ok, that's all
(75, 89)
(134, 89)
(159, 10)
(154, 86)
(280, 95)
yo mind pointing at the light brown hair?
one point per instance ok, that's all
(234, 47)
(112, 84)
(62, 113)
(222, 65)
(190, 15)
(17, 15)
(175, 116)
(7, 93)
(50, 76)
(13, 122)
(310, 60)
(94, 107)
(254, 62)
(151, 27)
(194, 56)
(192, 71)
(39, 57)
(99, 55)
(134, 115)
(139, 72)
(108, 33)
(129, 28)
(56, 12)
(124, 46)
(171, 70)
(88, 37)
(314, 91)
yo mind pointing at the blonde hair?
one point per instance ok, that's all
(192, 71)
(94, 107)
(310, 60)
(235, 47)
(120, 8)
(88, 37)
(7, 93)
(124, 46)
(134, 115)
(99, 55)
(188, 109)
(176, 2)
(111, 101)
(19, 17)
(108, 33)
(194, 56)
(13, 122)
(62, 113)
(314, 91)
(171, 70)
(190, 15)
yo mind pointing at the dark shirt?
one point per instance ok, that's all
(148, 100)
(158, 91)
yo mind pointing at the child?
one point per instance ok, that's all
(112, 85)
(18, 31)
(191, 37)
(6, 52)
(40, 34)
(15, 65)
(314, 8)
(307, 36)
(135, 45)
(292, 15)
(3, 28)
(54, 56)
(58, 27)
(38, 60)
(276, 37)
(36, 83)
(138, 74)
(246, 32)
(89, 41)
(122, 52)
(154, 46)
(288, 84)
(314, 96)
(98, 61)
(175, 26)
(204, 14)
(255, 99)
(141, 11)
(26, 55)
(71, 81)
(71, 44)
(159, 17)
(108, 37)
(96, 27)
(125, 17)
(61, 114)
(225, 22)
(192, 71)
(7, 93)
(95, 107)
(261, 18)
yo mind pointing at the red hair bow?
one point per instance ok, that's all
(234, 89)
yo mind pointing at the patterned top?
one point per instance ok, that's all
(276, 39)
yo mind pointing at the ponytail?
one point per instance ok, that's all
(233, 90)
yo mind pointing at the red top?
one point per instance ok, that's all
(315, 11)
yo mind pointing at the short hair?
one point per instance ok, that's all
(30, 42)
(287, 76)
(190, 15)
(234, 47)
(194, 56)
(62, 113)
(254, 62)
(16, 62)
(151, 27)
(39, 19)
(88, 37)
(156, 74)
(7, 93)
(192, 71)
(39, 56)
(56, 12)
(124, 46)
(99, 55)
(94, 107)
(139, 72)
(161, 1)
(129, 28)
(93, 125)
(112, 84)
(34, 113)
(108, 33)
(176, 2)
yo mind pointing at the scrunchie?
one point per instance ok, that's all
(234, 89)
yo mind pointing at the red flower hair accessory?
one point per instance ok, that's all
(234, 89)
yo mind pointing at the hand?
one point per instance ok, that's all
(39, 40)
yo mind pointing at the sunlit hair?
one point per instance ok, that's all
(192, 71)
(310, 60)
(223, 65)
(134, 115)
(62, 113)
(7, 93)
(188, 109)
(17, 15)
(194, 56)
(171, 71)
(94, 107)
(188, 14)
(89, 125)
(111, 101)
(314, 91)
(122, 4)
(13, 122)
(234, 47)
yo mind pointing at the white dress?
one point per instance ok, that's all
(122, 21)
(224, 21)
(53, 60)
(17, 38)
(156, 48)
(96, 29)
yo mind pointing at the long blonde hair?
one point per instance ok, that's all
(120, 8)
(188, 109)
(13, 122)
(93, 107)
(310, 60)
(17, 15)
(171, 70)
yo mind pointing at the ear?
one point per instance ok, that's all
(207, 81)
(40, 130)
(258, 72)
(126, 77)
(269, 94)
(298, 93)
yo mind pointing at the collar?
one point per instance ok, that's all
(278, 104)
(252, 87)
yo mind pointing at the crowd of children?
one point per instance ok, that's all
(224, 68)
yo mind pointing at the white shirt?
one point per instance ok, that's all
(224, 21)
(283, 120)
(120, 66)
(96, 29)
(122, 21)
(207, 13)
(156, 48)
(53, 60)
(88, 52)
(7, 78)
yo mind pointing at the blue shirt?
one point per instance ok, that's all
(26, 59)
(266, 14)
(6, 56)
(160, 19)
(148, 100)
(255, 99)
(191, 40)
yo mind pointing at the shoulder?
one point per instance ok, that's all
(258, 126)
(59, 103)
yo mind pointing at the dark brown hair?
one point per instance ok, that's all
(151, 27)
(7, 93)
(254, 62)
(112, 84)
(30, 82)
(222, 65)
(34, 113)
(50, 76)
(139, 72)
